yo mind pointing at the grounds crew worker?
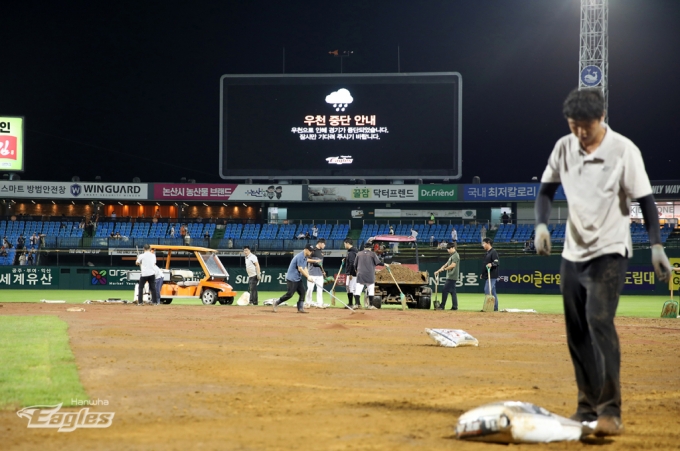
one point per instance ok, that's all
(254, 274)
(297, 267)
(600, 171)
(146, 262)
(365, 264)
(490, 262)
(350, 270)
(315, 268)
(452, 271)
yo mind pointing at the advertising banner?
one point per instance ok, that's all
(73, 190)
(666, 189)
(438, 193)
(226, 192)
(18, 277)
(397, 213)
(504, 192)
(11, 143)
(349, 193)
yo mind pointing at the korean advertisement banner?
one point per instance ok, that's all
(370, 193)
(226, 192)
(11, 143)
(73, 190)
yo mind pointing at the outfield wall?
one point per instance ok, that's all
(522, 275)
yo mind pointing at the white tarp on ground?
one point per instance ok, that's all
(517, 422)
(452, 338)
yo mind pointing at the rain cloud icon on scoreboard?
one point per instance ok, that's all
(339, 99)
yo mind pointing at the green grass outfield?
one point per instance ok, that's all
(38, 367)
(637, 306)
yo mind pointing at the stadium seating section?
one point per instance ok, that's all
(67, 234)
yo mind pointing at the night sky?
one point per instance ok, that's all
(125, 89)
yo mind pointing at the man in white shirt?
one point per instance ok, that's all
(600, 171)
(146, 262)
(253, 270)
(454, 235)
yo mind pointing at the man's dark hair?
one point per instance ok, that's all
(584, 105)
(451, 245)
(321, 240)
(349, 241)
(246, 247)
(147, 247)
(368, 245)
(487, 241)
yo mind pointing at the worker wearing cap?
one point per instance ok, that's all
(365, 263)
(297, 269)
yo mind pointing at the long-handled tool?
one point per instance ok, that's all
(670, 307)
(333, 297)
(437, 304)
(402, 298)
(489, 300)
(336, 281)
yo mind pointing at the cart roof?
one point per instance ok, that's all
(395, 238)
(163, 247)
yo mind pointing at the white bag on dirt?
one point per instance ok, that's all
(517, 422)
(244, 299)
(452, 338)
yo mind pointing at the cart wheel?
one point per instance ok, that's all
(166, 301)
(377, 302)
(424, 302)
(209, 297)
(226, 301)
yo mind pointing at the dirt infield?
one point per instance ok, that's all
(243, 378)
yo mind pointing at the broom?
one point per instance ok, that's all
(336, 281)
(670, 307)
(489, 300)
(402, 298)
(437, 304)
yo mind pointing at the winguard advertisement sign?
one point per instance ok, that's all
(73, 190)
(666, 189)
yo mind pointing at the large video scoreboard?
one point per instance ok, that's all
(341, 126)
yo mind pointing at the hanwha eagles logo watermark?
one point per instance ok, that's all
(342, 159)
(51, 417)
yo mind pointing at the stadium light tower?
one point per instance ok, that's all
(594, 50)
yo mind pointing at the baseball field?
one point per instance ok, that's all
(188, 376)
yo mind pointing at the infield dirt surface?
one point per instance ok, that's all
(244, 378)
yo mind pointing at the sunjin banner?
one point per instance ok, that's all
(73, 190)
(226, 192)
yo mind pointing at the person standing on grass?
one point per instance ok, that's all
(317, 273)
(146, 261)
(452, 272)
(350, 270)
(365, 264)
(158, 280)
(600, 172)
(254, 274)
(297, 269)
(490, 270)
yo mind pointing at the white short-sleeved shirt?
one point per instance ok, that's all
(147, 261)
(250, 265)
(599, 187)
(158, 274)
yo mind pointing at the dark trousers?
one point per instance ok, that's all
(159, 287)
(252, 288)
(152, 287)
(449, 287)
(590, 291)
(294, 287)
